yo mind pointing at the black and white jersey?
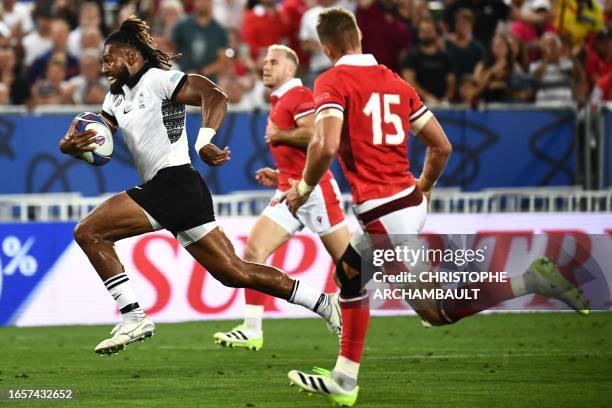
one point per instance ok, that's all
(152, 123)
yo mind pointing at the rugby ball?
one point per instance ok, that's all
(104, 138)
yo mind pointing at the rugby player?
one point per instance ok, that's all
(363, 113)
(289, 130)
(147, 102)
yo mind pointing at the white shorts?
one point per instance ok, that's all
(321, 213)
(397, 226)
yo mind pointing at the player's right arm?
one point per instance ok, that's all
(438, 151)
(75, 142)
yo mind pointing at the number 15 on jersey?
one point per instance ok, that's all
(373, 110)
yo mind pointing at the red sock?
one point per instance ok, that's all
(490, 294)
(355, 320)
(254, 297)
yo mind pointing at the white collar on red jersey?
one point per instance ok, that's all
(286, 87)
(360, 60)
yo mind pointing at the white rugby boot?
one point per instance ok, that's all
(125, 333)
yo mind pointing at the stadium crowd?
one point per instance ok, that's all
(452, 51)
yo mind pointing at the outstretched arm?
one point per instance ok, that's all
(200, 91)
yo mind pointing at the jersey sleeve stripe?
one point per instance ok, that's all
(420, 112)
(330, 106)
(302, 114)
(109, 117)
(178, 87)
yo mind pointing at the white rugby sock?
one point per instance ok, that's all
(253, 315)
(121, 290)
(310, 298)
(345, 373)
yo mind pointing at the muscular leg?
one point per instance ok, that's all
(265, 238)
(216, 253)
(117, 218)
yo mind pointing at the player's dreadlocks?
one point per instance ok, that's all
(135, 33)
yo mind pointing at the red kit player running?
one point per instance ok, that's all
(363, 113)
(290, 128)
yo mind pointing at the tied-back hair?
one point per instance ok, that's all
(134, 32)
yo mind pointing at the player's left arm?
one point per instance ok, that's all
(200, 91)
(297, 137)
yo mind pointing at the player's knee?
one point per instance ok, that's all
(83, 233)
(348, 272)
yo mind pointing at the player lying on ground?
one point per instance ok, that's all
(147, 102)
(290, 127)
(363, 113)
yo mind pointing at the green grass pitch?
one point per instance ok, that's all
(503, 360)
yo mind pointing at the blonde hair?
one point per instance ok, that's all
(289, 53)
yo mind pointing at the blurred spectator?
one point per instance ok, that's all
(17, 17)
(92, 38)
(529, 33)
(309, 39)
(5, 34)
(52, 90)
(411, 12)
(89, 87)
(494, 74)
(13, 88)
(428, 67)
(59, 38)
(599, 57)
(463, 49)
(467, 90)
(264, 25)
(519, 52)
(89, 17)
(229, 13)
(575, 20)
(201, 41)
(487, 15)
(384, 34)
(602, 92)
(67, 10)
(38, 41)
(170, 12)
(558, 79)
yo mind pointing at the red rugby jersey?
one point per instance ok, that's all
(290, 102)
(378, 107)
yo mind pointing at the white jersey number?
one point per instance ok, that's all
(372, 109)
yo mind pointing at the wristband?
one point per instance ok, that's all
(304, 188)
(205, 135)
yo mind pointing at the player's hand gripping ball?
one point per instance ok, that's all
(103, 140)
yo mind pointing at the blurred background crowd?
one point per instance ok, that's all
(471, 52)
